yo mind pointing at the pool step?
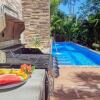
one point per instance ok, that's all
(65, 62)
(68, 61)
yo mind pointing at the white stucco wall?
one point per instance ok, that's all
(14, 4)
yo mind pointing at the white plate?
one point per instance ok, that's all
(12, 85)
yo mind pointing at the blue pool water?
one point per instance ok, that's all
(68, 53)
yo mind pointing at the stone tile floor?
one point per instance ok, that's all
(77, 83)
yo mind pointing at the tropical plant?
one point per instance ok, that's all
(84, 29)
(35, 42)
(90, 17)
(57, 24)
(63, 25)
(54, 6)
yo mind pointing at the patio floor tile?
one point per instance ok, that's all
(77, 83)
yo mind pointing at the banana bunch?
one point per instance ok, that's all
(14, 71)
(4, 71)
(19, 73)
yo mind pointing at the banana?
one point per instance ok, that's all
(22, 74)
(14, 71)
(4, 71)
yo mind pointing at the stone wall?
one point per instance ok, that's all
(36, 14)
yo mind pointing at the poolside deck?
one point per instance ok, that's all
(77, 83)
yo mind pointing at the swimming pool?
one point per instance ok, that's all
(69, 53)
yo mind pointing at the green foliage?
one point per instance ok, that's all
(84, 30)
(57, 22)
(36, 42)
(54, 6)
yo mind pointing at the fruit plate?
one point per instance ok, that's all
(10, 86)
(10, 81)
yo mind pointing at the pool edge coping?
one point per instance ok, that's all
(87, 48)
